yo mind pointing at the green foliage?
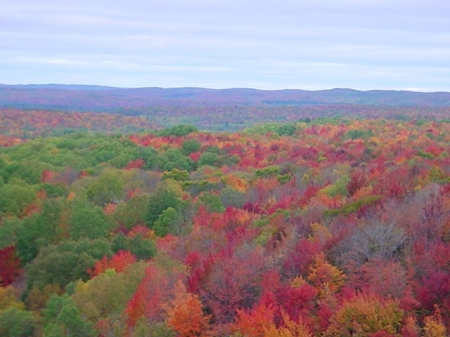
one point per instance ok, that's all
(208, 159)
(65, 262)
(149, 155)
(106, 188)
(87, 221)
(195, 187)
(174, 159)
(142, 248)
(425, 154)
(212, 202)
(130, 213)
(9, 229)
(53, 190)
(15, 322)
(177, 175)
(354, 206)
(355, 134)
(15, 196)
(39, 230)
(159, 202)
(190, 146)
(280, 129)
(286, 130)
(231, 197)
(284, 178)
(30, 171)
(268, 171)
(107, 294)
(144, 328)
(168, 222)
(339, 187)
(63, 318)
(178, 130)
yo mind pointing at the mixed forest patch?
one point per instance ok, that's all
(319, 227)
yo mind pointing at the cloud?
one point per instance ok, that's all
(271, 44)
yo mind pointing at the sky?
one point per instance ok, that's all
(264, 44)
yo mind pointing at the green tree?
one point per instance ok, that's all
(208, 159)
(107, 294)
(39, 230)
(65, 262)
(168, 222)
(130, 213)
(177, 175)
(179, 130)
(212, 202)
(15, 322)
(174, 159)
(149, 155)
(189, 146)
(107, 187)
(64, 319)
(15, 196)
(142, 248)
(87, 221)
(159, 202)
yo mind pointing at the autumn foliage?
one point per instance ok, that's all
(326, 227)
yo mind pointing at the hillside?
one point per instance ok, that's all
(105, 98)
(225, 109)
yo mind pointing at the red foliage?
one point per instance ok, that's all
(9, 265)
(155, 290)
(298, 261)
(136, 164)
(118, 262)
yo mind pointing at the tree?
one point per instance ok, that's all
(66, 262)
(106, 295)
(291, 328)
(8, 299)
(9, 265)
(253, 322)
(185, 314)
(364, 315)
(208, 159)
(15, 196)
(15, 322)
(167, 222)
(88, 221)
(141, 247)
(159, 202)
(131, 213)
(190, 146)
(106, 188)
(373, 239)
(118, 262)
(63, 319)
(40, 229)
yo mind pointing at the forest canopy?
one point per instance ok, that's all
(318, 227)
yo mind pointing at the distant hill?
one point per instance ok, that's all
(86, 97)
(228, 109)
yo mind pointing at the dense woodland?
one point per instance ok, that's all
(319, 227)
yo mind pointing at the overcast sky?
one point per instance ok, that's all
(264, 44)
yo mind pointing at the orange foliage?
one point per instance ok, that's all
(185, 314)
(253, 323)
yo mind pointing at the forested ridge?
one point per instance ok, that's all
(318, 227)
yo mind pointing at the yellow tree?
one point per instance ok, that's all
(290, 329)
(364, 315)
